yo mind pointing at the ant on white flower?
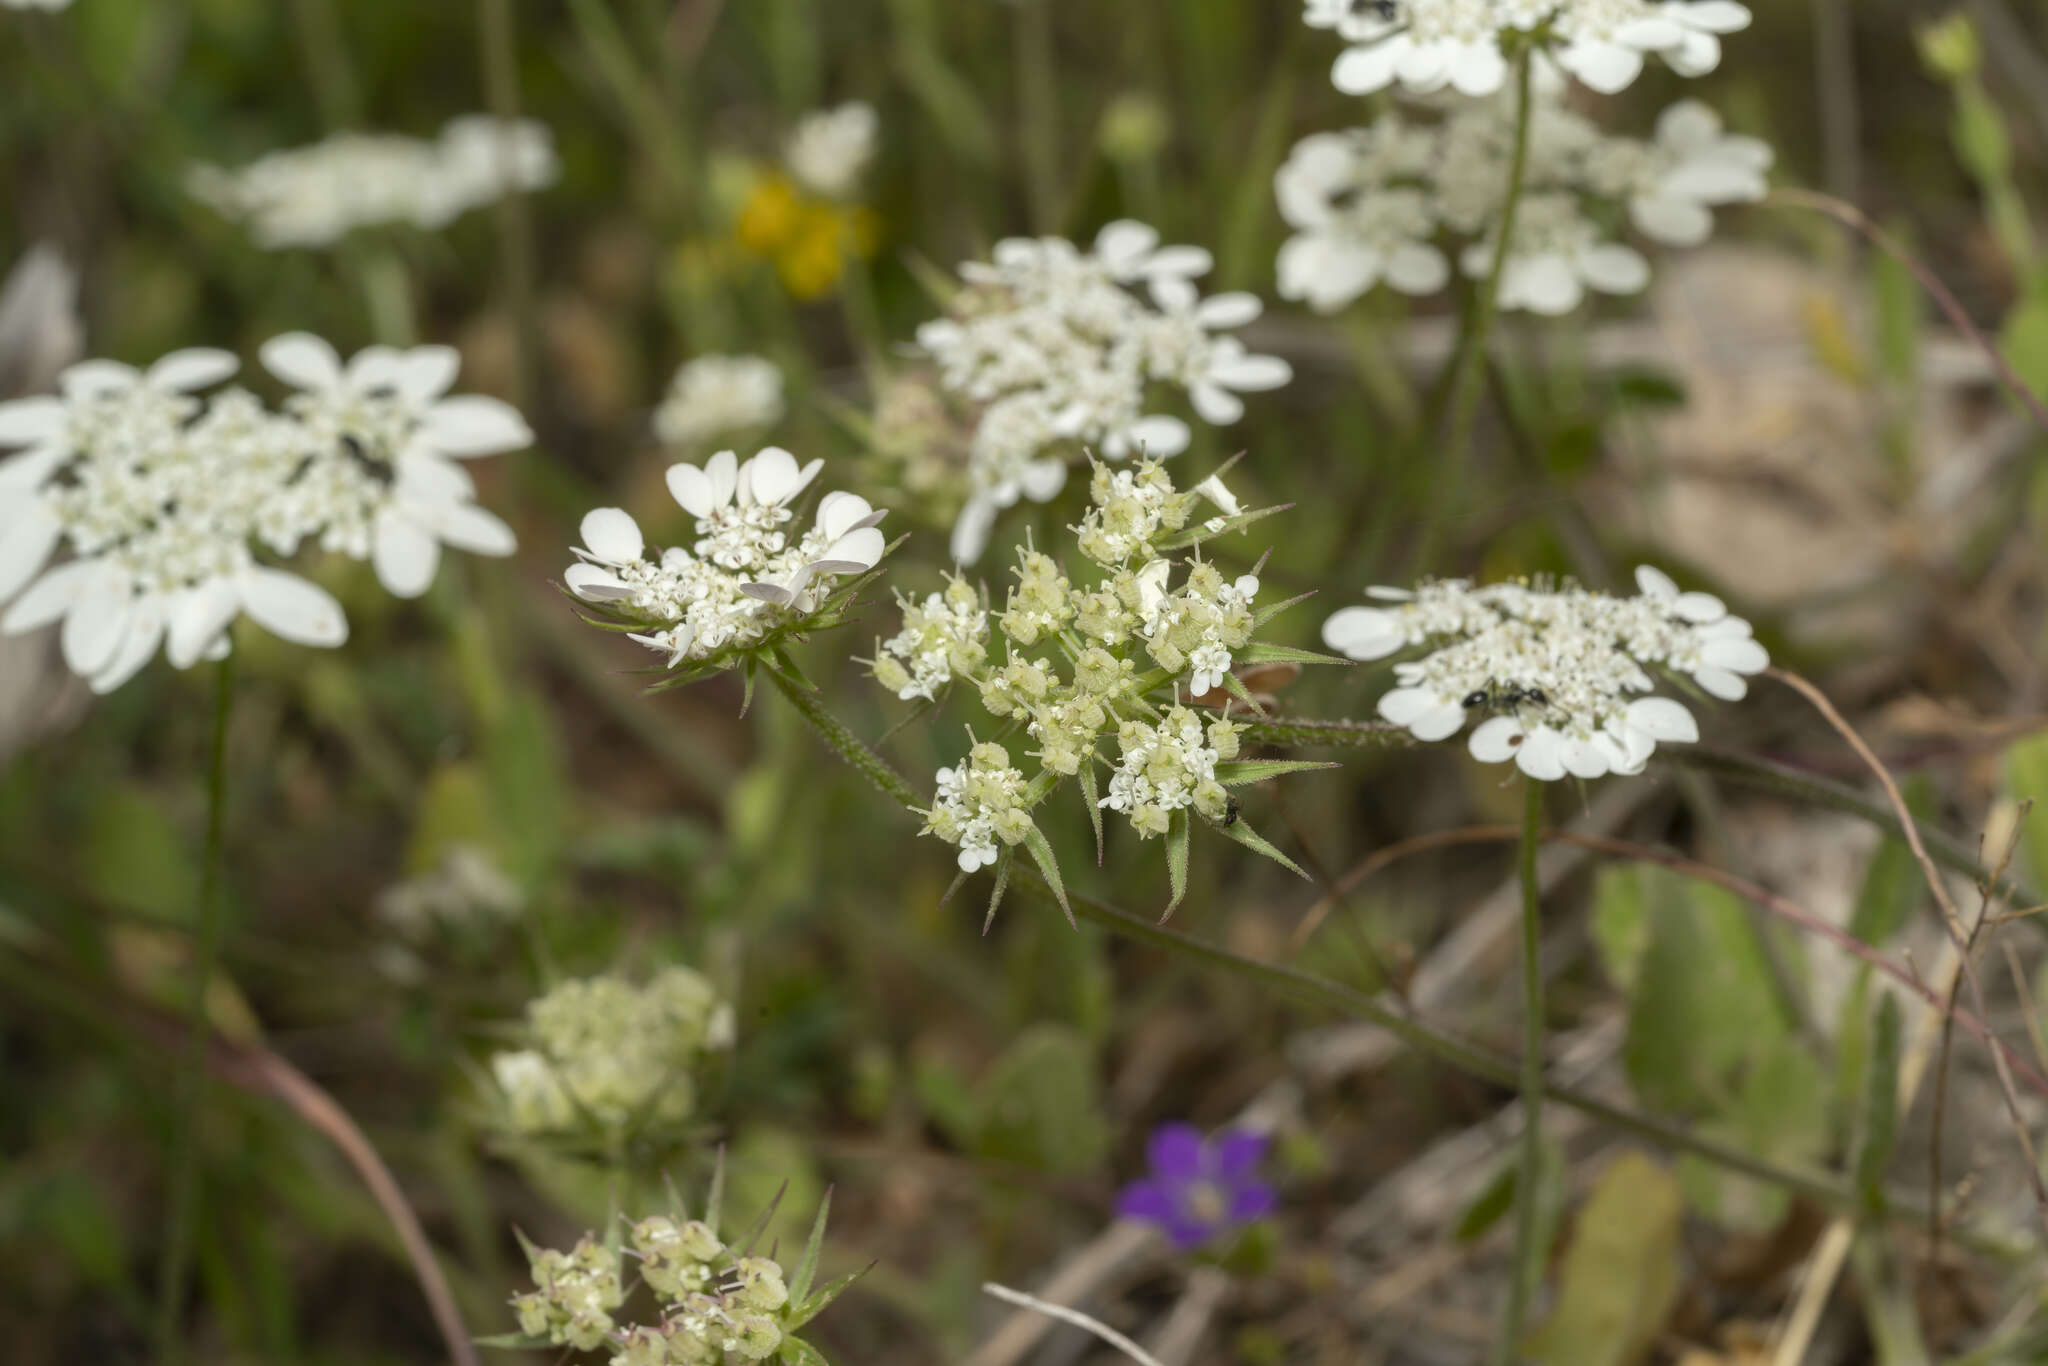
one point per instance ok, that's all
(1504, 697)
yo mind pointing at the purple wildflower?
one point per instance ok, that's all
(1199, 1187)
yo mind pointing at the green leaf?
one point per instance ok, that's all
(1199, 532)
(1781, 1112)
(1041, 1104)
(1238, 772)
(995, 897)
(1880, 1108)
(807, 1265)
(1260, 653)
(1234, 685)
(1176, 859)
(1621, 924)
(1498, 1197)
(1274, 609)
(1251, 839)
(1041, 853)
(1621, 1272)
(797, 1352)
(1705, 1002)
(1892, 885)
(1651, 388)
(1091, 795)
(806, 1310)
(2026, 778)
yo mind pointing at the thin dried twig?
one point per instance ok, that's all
(1964, 939)
(258, 1069)
(1075, 1317)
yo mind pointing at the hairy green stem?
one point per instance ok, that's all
(1528, 1259)
(1460, 389)
(1822, 1187)
(191, 1088)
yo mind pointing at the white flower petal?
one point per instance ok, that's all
(1541, 755)
(1655, 583)
(197, 618)
(1662, 719)
(98, 621)
(769, 479)
(1228, 310)
(1729, 687)
(1495, 740)
(971, 529)
(193, 368)
(612, 536)
(292, 609)
(595, 583)
(474, 529)
(405, 554)
(1364, 632)
(48, 598)
(28, 536)
(302, 360)
(472, 424)
(26, 421)
(1159, 436)
(138, 646)
(425, 373)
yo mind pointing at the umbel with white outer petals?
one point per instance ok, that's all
(165, 500)
(1563, 674)
(747, 582)
(1465, 45)
(1053, 349)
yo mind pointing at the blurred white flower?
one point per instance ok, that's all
(383, 480)
(1376, 204)
(1564, 672)
(712, 395)
(1428, 45)
(744, 582)
(160, 501)
(51, 5)
(831, 148)
(313, 196)
(1557, 254)
(1057, 349)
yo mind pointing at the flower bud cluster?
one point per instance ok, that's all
(574, 1296)
(943, 638)
(980, 803)
(716, 1304)
(607, 1053)
(1167, 765)
(1087, 661)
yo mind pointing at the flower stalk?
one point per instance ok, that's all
(191, 1078)
(1528, 1259)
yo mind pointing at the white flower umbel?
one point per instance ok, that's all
(831, 149)
(1564, 676)
(313, 196)
(161, 502)
(1428, 45)
(749, 580)
(713, 395)
(385, 480)
(1055, 349)
(1381, 204)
